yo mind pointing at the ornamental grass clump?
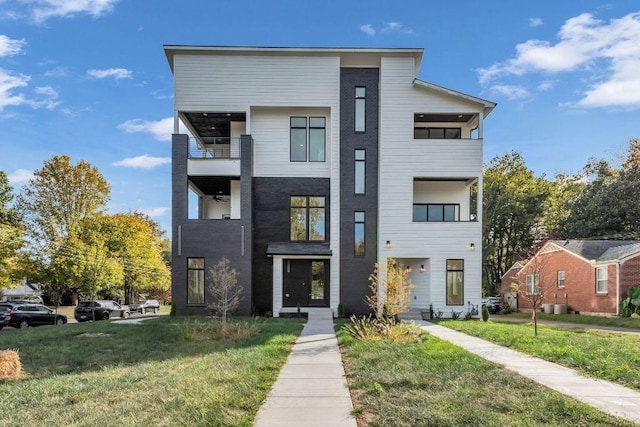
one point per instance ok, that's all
(10, 366)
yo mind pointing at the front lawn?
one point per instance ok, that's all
(622, 322)
(164, 371)
(607, 355)
(434, 383)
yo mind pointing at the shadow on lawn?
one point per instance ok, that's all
(75, 348)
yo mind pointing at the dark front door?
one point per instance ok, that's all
(305, 283)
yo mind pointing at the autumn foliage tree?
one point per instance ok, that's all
(225, 293)
(390, 288)
(11, 235)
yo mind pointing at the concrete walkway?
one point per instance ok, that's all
(611, 398)
(311, 389)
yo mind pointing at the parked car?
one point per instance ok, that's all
(3, 320)
(145, 306)
(25, 314)
(494, 304)
(99, 310)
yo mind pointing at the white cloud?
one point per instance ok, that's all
(154, 212)
(161, 129)
(45, 9)
(585, 45)
(142, 162)
(9, 82)
(510, 91)
(368, 29)
(47, 98)
(116, 73)
(56, 72)
(545, 85)
(10, 47)
(535, 22)
(20, 175)
(388, 27)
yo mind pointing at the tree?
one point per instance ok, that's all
(390, 289)
(565, 190)
(11, 235)
(513, 205)
(225, 293)
(534, 283)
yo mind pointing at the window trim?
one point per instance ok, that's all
(189, 269)
(456, 211)
(535, 284)
(364, 234)
(307, 208)
(605, 269)
(364, 110)
(452, 270)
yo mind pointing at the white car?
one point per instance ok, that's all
(145, 306)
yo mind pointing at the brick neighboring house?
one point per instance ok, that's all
(591, 276)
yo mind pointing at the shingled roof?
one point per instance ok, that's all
(600, 250)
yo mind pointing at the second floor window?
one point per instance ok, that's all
(307, 217)
(437, 133)
(360, 109)
(308, 139)
(359, 171)
(432, 212)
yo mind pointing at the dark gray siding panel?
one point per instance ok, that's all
(271, 205)
(209, 239)
(354, 271)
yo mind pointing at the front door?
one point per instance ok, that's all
(304, 283)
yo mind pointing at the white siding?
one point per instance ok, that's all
(401, 159)
(270, 129)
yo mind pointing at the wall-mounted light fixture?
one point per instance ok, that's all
(408, 269)
(472, 246)
(388, 244)
(422, 268)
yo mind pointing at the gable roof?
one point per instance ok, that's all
(488, 105)
(600, 250)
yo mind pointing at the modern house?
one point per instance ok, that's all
(306, 166)
(590, 276)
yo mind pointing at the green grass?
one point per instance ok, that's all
(622, 322)
(607, 355)
(164, 371)
(435, 383)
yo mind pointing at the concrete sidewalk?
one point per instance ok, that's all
(608, 397)
(311, 389)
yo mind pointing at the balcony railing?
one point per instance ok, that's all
(214, 148)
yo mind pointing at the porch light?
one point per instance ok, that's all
(422, 268)
(472, 246)
(388, 244)
(408, 269)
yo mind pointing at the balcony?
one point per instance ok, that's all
(224, 148)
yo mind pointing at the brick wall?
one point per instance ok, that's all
(629, 275)
(580, 283)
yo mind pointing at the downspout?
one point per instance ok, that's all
(618, 289)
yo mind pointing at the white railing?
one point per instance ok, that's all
(214, 148)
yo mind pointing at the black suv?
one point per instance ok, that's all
(25, 314)
(99, 310)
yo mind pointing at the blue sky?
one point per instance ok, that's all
(89, 78)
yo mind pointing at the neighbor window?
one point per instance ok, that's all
(561, 279)
(195, 280)
(358, 235)
(455, 282)
(533, 284)
(359, 171)
(602, 279)
(308, 139)
(360, 109)
(437, 133)
(307, 216)
(436, 212)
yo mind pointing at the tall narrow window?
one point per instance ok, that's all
(317, 137)
(307, 217)
(602, 280)
(360, 109)
(358, 234)
(533, 284)
(359, 171)
(195, 280)
(561, 279)
(298, 139)
(455, 282)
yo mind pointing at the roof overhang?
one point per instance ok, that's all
(299, 249)
(487, 106)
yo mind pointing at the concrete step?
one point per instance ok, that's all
(319, 313)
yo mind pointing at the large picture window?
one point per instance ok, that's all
(455, 282)
(602, 280)
(358, 234)
(431, 212)
(308, 139)
(307, 218)
(195, 280)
